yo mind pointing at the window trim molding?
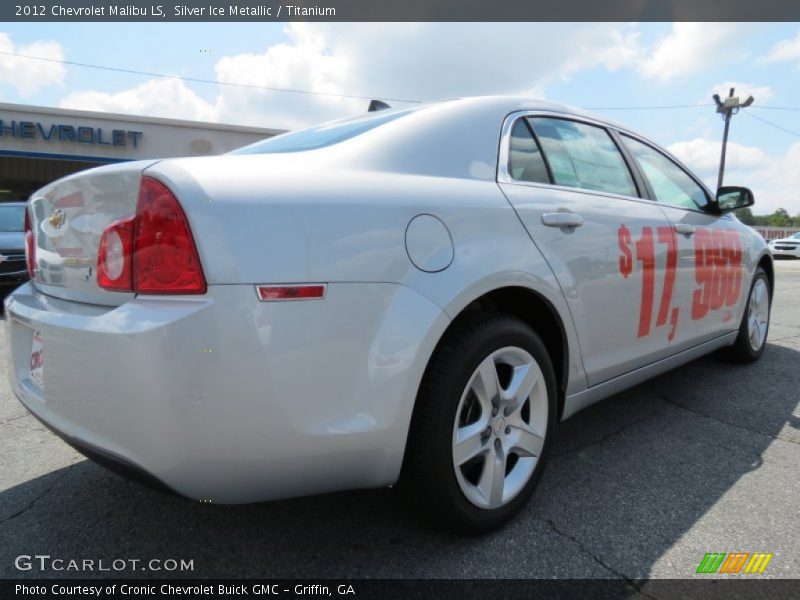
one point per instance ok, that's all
(683, 168)
(614, 131)
(529, 129)
(503, 176)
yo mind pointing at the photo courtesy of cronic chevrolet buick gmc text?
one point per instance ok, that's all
(410, 297)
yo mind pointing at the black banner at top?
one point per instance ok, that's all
(398, 10)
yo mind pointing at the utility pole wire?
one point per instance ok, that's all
(777, 107)
(201, 80)
(773, 124)
(329, 94)
(646, 107)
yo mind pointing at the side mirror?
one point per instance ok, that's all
(731, 197)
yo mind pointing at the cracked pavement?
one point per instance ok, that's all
(705, 458)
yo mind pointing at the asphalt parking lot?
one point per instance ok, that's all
(702, 459)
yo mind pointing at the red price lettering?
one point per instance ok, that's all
(718, 261)
(626, 258)
(645, 252)
(666, 235)
(734, 286)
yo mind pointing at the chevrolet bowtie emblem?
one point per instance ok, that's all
(57, 219)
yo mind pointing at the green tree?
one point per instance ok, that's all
(780, 218)
(761, 220)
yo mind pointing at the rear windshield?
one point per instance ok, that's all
(12, 218)
(323, 135)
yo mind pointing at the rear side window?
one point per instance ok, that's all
(583, 156)
(670, 183)
(323, 135)
(525, 161)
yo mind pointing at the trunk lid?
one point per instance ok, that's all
(68, 218)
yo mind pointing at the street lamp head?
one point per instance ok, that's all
(717, 99)
(731, 102)
(748, 102)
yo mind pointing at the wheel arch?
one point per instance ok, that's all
(765, 262)
(535, 310)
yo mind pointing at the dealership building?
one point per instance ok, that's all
(39, 145)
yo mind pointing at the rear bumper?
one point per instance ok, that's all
(226, 398)
(112, 462)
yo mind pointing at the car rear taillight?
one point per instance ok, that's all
(114, 264)
(152, 252)
(30, 245)
(165, 259)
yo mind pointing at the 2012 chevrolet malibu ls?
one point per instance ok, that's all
(411, 297)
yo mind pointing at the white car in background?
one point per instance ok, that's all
(412, 296)
(788, 246)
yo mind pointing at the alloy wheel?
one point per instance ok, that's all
(758, 315)
(500, 426)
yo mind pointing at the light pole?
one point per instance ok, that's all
(727, 108)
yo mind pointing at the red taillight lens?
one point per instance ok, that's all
(114, 264)
(152, 252)
(30, 245)
(165, 259)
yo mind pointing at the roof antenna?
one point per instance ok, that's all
(377, 105)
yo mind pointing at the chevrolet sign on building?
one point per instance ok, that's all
(29, 130)
(39, 145)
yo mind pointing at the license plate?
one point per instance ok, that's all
(37, 360)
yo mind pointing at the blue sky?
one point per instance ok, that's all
(587, 65)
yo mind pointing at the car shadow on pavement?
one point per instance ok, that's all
(628, 478)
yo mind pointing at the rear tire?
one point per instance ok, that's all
(475, 452)
(753, 330)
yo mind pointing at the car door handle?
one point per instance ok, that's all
(684, 228)
(562, 220)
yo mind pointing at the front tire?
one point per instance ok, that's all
(753, 330)
(482, 424)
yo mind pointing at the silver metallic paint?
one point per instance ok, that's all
(227, 398)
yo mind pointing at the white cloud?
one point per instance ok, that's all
(411, 61)
(762, 93)
(156, 98)
(774, 179)
(775, 186)
(435, 60)
(703, 155)
(701, 126)
(26, 75)
(785, 50)
(392, 60)
(692, 47)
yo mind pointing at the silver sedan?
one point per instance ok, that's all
(412, 297)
